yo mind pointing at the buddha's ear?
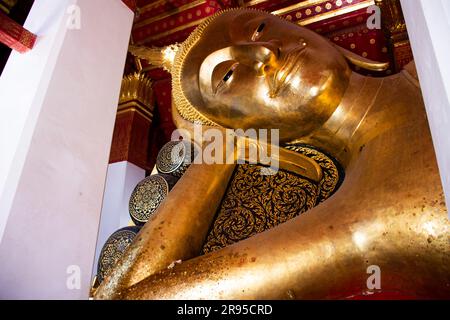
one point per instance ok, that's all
(362, 62)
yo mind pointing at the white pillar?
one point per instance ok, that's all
(428, 24)
(121, 180)
(58, 105)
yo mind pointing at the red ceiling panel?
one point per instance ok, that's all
(171, 21)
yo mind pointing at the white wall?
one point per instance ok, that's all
(23, 86)
(58, 106)
(428, 23)
(121, 180)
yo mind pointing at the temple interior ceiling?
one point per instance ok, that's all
(344, 22)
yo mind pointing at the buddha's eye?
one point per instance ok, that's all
(226, 77)
(258, 32)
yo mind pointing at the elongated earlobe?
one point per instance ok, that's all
(362, 62)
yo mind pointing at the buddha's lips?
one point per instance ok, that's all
(289, 66)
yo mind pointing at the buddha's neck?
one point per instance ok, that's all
(337, 136)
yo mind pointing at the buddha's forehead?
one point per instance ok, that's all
(230, 27)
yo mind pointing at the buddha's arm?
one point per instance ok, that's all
(389, 212)
(175, 232)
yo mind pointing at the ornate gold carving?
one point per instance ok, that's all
(159, 57)
(332, 173)
(254, 203)
(136, 92)
(393, 20)
(394, 27)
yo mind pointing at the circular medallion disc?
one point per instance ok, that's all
(113, 250)
(146, 198)
(175, 157)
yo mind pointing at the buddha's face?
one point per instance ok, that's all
(251, 69)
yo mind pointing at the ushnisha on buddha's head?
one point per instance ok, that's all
(245, 68)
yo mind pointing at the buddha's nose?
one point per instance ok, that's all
(257, 52)
(273, 45)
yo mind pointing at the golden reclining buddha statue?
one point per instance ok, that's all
(243, 69)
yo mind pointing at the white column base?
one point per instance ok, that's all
(121, 180)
